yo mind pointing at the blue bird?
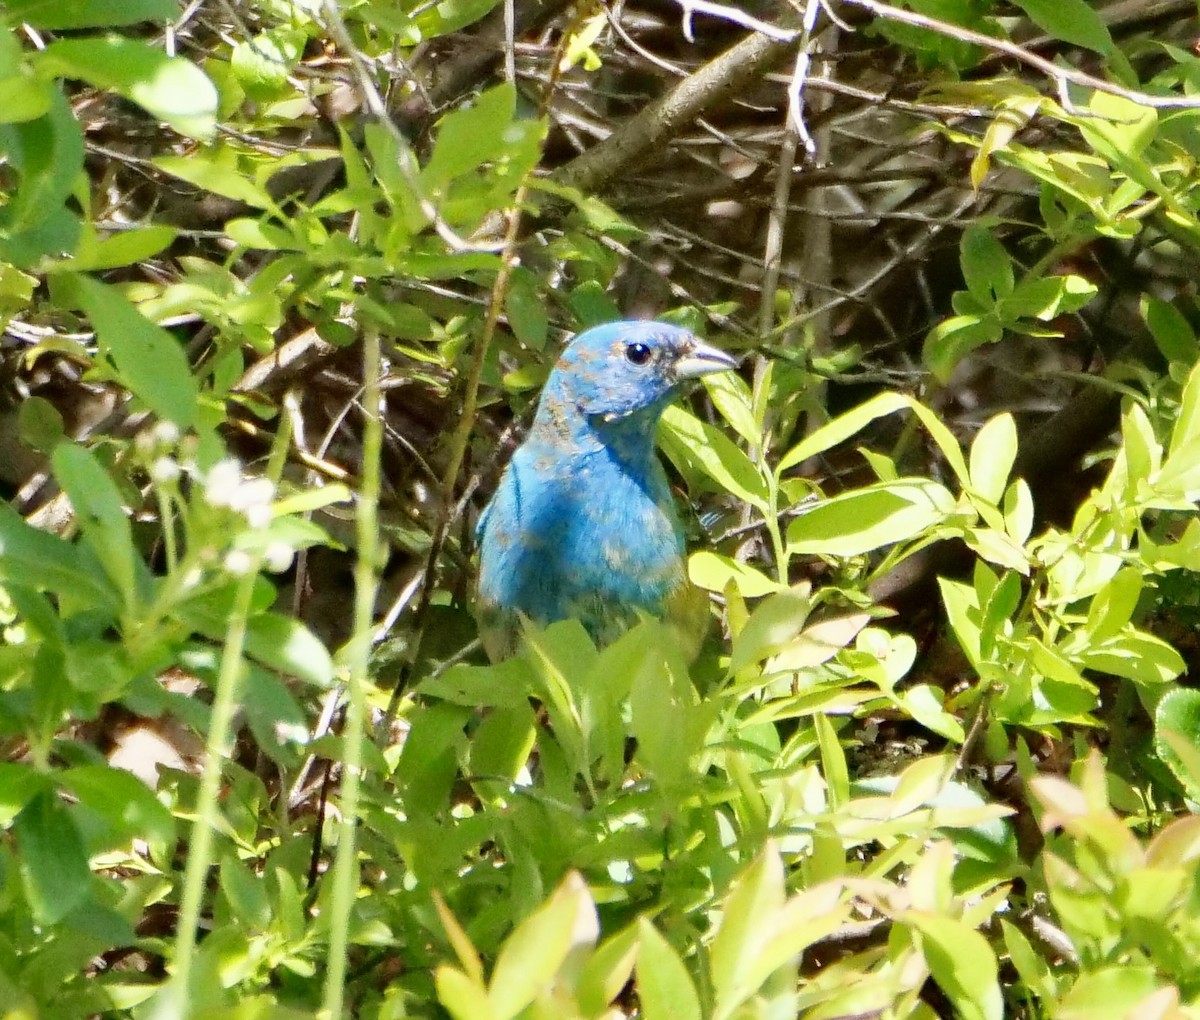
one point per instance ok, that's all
(583, 525)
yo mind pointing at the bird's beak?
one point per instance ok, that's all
(700, 359)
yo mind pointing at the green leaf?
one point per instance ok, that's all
(287, 645)
(171, 89)
(115, 807)
(1041, 298)
(448, 16)
(22, 96)
(39, 424)
(1018, 511)
(962, 610)
(1172, 332)
(1114, 993)
(54, 864)
(924, 704)
(866, 519)
(45, 562)
(953, 339)
(150, 360)
(698, 447)
(541, 945)
(463, 998)
(665, 990)
(1113, 606)
(100, 513)
(962, 963)
(986, 267)
(246, 894)
(526, 311)
(428, 763)
(666, 718)
(471, 136)
(1073, 21)
(60, 14)
(18, 786)
(123, 248)
(592, 305)
(216, 171)
(774, 622)
(502, 744)
(1186, 434)
(998, 548)
(1119, 130)
(47, 154)
(842, 427)
(1143, 452)
(262, 64)
(1030, 965)
(276, 720)
(992, 456)
(747, 919)
(607, 971)
(731, 397)
(1136, 655)
(713, 572)
(833, 761)
(1177, 737)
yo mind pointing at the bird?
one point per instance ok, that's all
(583, 524)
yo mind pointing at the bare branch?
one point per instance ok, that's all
(1055, 72)
(738, 17)
(661, 120)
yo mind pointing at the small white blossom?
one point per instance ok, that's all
(253, 492)
(166, 433)
(164, 471)
(222, 482)
(258, 515)
(238, 561)
(277, 557)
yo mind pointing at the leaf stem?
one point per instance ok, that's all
(366, 580)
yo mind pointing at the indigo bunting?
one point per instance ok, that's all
(582, 524)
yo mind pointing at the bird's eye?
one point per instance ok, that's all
(638, 354)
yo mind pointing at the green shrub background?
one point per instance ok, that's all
(280, 281)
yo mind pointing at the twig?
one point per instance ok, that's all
(661, 120)
(733, 14)
(461, 437)
(799, 77)
(1060, 75)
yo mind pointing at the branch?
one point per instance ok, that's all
(661, 120)
(692, 7)
(1058, 74)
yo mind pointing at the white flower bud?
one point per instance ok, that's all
(277, 557)
(164, 471)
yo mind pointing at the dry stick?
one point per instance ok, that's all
(664, 118)
(1058, 74)
(738, 17)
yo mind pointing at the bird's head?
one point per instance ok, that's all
(614, 371)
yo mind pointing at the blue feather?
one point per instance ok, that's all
(582, 524)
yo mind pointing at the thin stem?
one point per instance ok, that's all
(461, 437)
(1057, 73)
(366, 582)
(177, 1000)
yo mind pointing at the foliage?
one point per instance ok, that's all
(975, 802)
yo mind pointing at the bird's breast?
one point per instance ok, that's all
(584, 536)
